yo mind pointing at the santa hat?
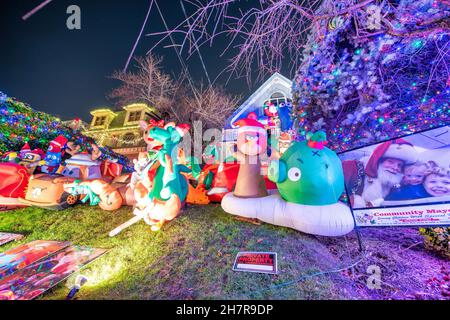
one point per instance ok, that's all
(57, 144)
(182, 129)
(397, 149)
(250, 124)
(26, 148)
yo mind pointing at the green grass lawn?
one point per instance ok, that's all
(192, 256)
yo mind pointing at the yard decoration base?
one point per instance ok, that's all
(328, 220)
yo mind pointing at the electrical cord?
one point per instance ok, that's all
(302, 278)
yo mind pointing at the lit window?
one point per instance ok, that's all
(134, 116)
(278, 98)
(129, 137)
(100, 121)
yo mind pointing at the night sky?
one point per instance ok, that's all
(65, 72)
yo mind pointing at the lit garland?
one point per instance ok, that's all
(19, 124)
(364, 90)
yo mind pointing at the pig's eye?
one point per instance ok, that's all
(249, 137)
(294, 174)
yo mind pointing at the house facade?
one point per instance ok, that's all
(119, 129)
(275, 92)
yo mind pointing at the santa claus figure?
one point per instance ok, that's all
(369, 182)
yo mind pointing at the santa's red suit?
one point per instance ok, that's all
(364, 186)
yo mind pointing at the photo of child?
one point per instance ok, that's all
(437, 183)
(412, 184)
(412, 170)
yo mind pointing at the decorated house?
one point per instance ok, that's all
(119, 129)
(271, 103)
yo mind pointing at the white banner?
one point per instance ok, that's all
(424, 215)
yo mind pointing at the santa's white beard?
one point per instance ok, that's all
(378, 188)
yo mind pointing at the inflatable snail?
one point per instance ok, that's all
(310, 181)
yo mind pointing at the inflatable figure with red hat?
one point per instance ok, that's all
(53, 156)
(369, 181)
(14, 176)
(251, 144)
(30, 159)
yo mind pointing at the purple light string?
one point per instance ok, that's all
(39, 7)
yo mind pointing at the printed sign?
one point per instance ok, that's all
(401, 182)
(404, 216)
(262, 262)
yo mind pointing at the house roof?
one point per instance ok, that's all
(275, 83)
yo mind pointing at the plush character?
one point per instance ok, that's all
(168, 187)
(251, 143)
(151, 143)
(97, 192)
(308, 173)
(140, 164)
(53, 157)
(270, 110)
(310, 181)
(31, 159)
(25, 149)
(284, 111)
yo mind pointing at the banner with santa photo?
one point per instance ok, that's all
(401, 182)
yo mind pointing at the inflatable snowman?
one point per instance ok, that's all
(310, 181)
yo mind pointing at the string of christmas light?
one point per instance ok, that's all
(389, 83)
(19, 123)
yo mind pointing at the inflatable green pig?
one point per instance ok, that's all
(309, 173)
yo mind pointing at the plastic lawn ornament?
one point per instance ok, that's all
(310, 180)
(308, 173)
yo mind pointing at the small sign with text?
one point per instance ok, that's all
(261, 262)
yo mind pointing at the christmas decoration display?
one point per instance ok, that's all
(30, 159)
(152, 145)
(284, 113)
(81, 166)
(251, 143)
(310, 179)
(270, 110)
(13, 184)
(308, 173)
(97, 192)
(53, 157)
(20, 124)
(164, 189)
(377, 78)
(47, 191)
